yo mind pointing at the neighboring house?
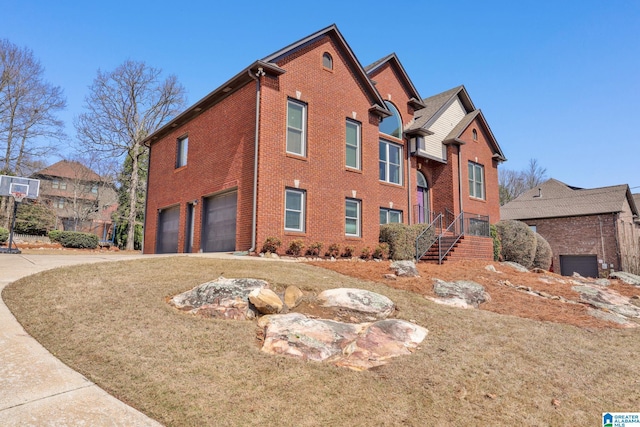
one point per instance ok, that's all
(591, 231)
(309, 144)
(81, 199)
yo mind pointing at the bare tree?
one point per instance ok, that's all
(123, 107)
(28, 107)
(514, 183)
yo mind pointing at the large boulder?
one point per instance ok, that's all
(221, 298)
(628, 278)
(468, 291)
(265, 301)
(292, 296)
(405, 268)
(608, 300)
(356, 346)
(359, 300)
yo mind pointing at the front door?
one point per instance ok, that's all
(422, 198)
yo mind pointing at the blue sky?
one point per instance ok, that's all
(558, 81)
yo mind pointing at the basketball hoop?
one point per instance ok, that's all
(18, 196)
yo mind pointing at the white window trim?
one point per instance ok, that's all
(357, 218)
(182, 151)
(303, 137)
(473, 181)
(358, 126)
(387, 211)
(386, 162)
(301, 212)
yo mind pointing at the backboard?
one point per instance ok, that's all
(11, 184)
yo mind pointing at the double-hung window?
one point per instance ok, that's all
(388, 216)
(296, 127)
(353, 144)
(390, 162)
(294, 210)
(352, 217)
(183, 148)
(476, 180)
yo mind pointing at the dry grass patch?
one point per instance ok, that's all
(111, 323)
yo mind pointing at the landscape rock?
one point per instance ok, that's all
(470, 292)
(221, 298)
(628, 278)
(635, 300)
(356, 346)
(491, 268)
(360, 300)
(602, 282)
(608, 300)
(266, 301)
(405, 268)
(292, 296)
(390, 276)
(516, 266)
(452, 302)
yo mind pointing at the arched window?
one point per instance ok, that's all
(422, 181)
(327, 61)
(392, 125)
(475, 134)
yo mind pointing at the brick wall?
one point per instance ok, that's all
(583, 235)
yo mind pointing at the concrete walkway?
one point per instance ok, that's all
(36, 389)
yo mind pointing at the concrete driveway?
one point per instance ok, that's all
(36, 389)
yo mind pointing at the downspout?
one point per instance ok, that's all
(254, 210)
(615, 217)
(460, 180)
(146, 201)
(409, 171)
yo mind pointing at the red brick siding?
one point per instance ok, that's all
(582, 235)
(220, 158)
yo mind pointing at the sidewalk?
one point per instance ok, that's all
(36, 389)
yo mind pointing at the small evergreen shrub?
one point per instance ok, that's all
(518, 242)
(4, 235)
(496, 242)
(543, 255)
(333, 250)
(381, 251)
(54, 235)
(401, 239)
(74, 239)
(295, 247)
(271, 244)
(348, 251)
(365, 253)
(314, 249)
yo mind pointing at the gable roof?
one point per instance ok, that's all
(269, 65)
(393, 61)
(69, 169)
(554, 199)
(437, 104)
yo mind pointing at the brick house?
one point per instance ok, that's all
(81, 199)
(309, 144)
(591, 231)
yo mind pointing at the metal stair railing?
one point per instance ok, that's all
(455, 230)
(428, 237)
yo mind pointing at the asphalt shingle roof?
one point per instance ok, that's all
(554, 199)
(69, 169)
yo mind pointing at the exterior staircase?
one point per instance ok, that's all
(467, 247)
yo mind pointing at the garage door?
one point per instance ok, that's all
(167, 236)
(584, 265)
(219, 223)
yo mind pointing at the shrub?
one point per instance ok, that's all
(34, 218)
(543, 255)
(271, 244)
(348, 251)
(333, 250)
(314, 249)
(496, 242)
(4, 235)
(401, 239)
(518, 242)
(365, 253)
(54, 235)
(295, 247)
(74, 239)
(381, 251)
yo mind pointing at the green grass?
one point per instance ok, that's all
(111, 322)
